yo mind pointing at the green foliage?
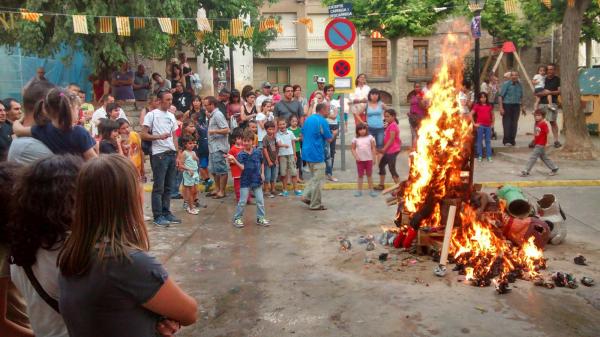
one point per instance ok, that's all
(107, 50)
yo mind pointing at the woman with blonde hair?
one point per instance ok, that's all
(110, 285)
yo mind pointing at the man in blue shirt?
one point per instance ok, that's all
(314, 135)
(509, 100)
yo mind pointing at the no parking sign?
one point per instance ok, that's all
(342, 70)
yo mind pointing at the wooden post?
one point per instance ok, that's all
(498, 62)
(447, 233)
(523, 70)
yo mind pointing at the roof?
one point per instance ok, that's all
(589, 81)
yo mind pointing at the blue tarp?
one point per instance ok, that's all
(589, 81)
(17, 69)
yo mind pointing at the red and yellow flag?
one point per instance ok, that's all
(224, 36)
(30, 16)
(236, 26)
(139, 23)
(105, 25)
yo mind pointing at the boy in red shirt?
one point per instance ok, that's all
(540, 140)
(236, 172)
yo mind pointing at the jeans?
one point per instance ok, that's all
(510, 122)
(379, 135)
(258, 197)
(539, 151)
(176, 184)
(312, 190)
(163, 173)
(331, 157)
(484, 133)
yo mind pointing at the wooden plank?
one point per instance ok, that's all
(447, 234)
(523, 70)
(390, 189)
(498, 62)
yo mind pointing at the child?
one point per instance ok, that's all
(297, 131)
(54, 118)
(131, 143)
(391, 148)
(540, 140)
(179, 118)
(269, 143)
(202, 153)
(189, 162)
(363, 150)
(109, 137)
(539, 81)
(188, 128)
(276, 94)
(286, 142)
(236, 172)
(252, 126)
(250, 162)
(261, 119)
(484, 119)
(113, 110)
(87, 120)
(269, 107)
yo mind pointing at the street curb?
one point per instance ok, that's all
(534, 183)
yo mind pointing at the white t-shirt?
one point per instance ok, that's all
(98, 115)
(158, 123)
(260, 99)
(285, 138)
(360, 93)
(44, 320)
(541, 81)
(261, 131)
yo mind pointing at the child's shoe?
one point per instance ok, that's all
(185, 205)
(489, 159)
(238, 223)
(193, 211)
(373, 194)
(284, 194)
(298, 193)
(261, 221)
(271, 195)
(358, 194)
(524, 174)
(553, 172)
(479, 159)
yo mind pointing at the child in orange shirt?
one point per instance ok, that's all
(236, 172)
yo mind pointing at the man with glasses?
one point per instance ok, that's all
(288, 106)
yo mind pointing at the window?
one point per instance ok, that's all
(278, 75)
(379, 59)
(420, 57)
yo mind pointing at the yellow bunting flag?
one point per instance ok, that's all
(308, 22)
(80, 24)
(105, 25)
(204, 25)
(510, 6)
(249, 32)
(139, 23)
(236, 27)
(571, 3)
(175, 25)
(199, 35)
(267, 24)
(30, 16)
(280, 28)
(123, 26)
(224, 36)
(165, 25)
(547, 3)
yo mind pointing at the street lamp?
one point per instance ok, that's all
(476, 6)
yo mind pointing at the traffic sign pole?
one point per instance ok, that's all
(343, 133)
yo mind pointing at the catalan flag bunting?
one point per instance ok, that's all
(30, 16)
(308, 22)
(571, 3)
(199, 35)
(375, 34)
(80, 24)
(175, 25)
(123, 26)
(165, 25)
(249, 32)
(510, 6)
(139, 23)
(224, 36)
(475, 7)
(236, 26)
(280, 28)
(105, 25)
(204, 25)
(547, 3)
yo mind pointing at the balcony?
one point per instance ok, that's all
(283, 43)
(315, 43)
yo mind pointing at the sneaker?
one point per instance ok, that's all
(479, 159)
(552, 107)
(524, 174)
(553, 172)
(238, 223)
(489, 159)
(271, 195)
(161, 222)
(298, 193)
(147, 218)
(373, 194)
(263, 222)
(358, 194)
(193, 211)
(332, 178)
(557, 144)
(172, 219)
(185, 205)
(284, 193)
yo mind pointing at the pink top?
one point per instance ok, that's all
(395, 147)
(363, 147)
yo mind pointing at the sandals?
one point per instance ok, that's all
(320, 208)
(379, 187)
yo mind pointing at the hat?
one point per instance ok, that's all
(266, 84)
(321, 80)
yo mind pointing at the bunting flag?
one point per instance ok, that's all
(224, 36)
(249, 32)
(280, 28)
(165, 25)
(123, 26)
(475, 7)
(236, 26)
(175, 25)
(80, 24)
(547, 3)
(139, 23)
(571, 3)
(308, 22)
(376, 34)
(204, 25)
(30, 16)
(267, 24)
(199, 35)
(105, 25)
(510, 6)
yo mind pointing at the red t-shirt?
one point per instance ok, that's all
(541, 133)
(483, 114)
(236, 172)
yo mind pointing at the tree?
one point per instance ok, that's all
(105, 51)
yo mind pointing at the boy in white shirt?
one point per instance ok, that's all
(287, 157)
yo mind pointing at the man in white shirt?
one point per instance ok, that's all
(101, 113)
(159, 127)
(266, 94)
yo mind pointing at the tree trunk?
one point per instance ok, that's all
(578, 144)
(588, 53)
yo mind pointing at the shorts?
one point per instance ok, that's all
(203, 161)
(378, 134)
(190, 179)
(536, 90)
(364, 167)
(550, 115)
(217, 163)
(287, 165)
(270, 173)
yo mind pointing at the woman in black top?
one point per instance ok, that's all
(186, 71)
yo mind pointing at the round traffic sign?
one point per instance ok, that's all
(340, 33)
(341, 68)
